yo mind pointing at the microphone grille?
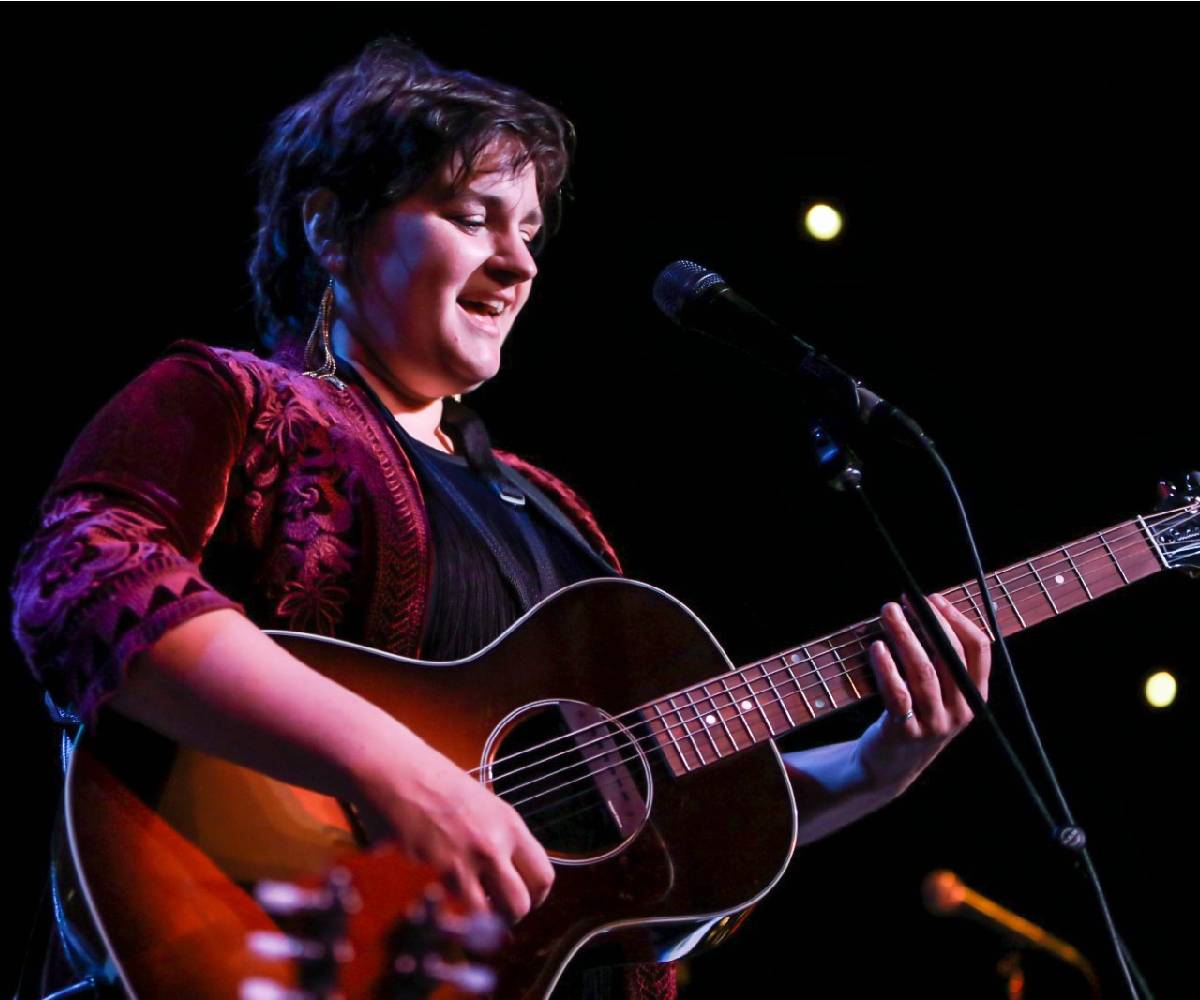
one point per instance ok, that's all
(943, 892)
(680, 283)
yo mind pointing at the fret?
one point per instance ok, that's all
(733, 703)
(717, 712)
(1042, 584)
(769, 677)
(700, 717)
(1153, 543)
(820, 704)
(1143, 555)
(788, 660)
(801, 687)
(831, 647)
(1016, 611)
(1082, 579)
(861, 654)
(1113, 556)
(1065, 591)
(666, 729)
(982, 618)
(686, 731)
(754, 697)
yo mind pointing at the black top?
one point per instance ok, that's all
(482, 585)
(499, 544)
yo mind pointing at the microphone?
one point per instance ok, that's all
(945, 895)
(701, 300)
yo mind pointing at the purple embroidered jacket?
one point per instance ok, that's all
(217, 479)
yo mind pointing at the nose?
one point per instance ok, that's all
(512, 261)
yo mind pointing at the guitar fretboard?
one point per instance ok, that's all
(760, 701)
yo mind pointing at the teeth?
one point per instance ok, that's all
(490, 308)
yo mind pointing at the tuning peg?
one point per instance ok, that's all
(479, 932)
(1191, 483)
(465, 977)
(274, 945)
(267, 989)
(285, 899)
(1166, 490)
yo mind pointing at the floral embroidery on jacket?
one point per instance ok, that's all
(286, 495)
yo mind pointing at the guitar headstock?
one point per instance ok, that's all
(373, 926)
(1175, 526)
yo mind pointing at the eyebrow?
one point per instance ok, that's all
(534, 215)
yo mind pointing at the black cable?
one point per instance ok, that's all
(1066, 834)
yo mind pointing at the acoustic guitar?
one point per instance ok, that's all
(608, 716)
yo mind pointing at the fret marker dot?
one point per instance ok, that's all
(820, 703)
(711, 720)
(995, 606)
(745, 706)
(1058, 578)
(795, 658)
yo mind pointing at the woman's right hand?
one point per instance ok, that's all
(219, 684)
(439, 815)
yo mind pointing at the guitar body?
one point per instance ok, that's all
(650, 864)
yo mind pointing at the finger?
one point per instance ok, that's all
(976, 643)
(507, 890)
(462, 883)
(952, 696)
(535, 868)
(897, 701)
(918, 671)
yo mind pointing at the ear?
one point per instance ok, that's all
(319, 210)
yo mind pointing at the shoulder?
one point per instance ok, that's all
(265, 386)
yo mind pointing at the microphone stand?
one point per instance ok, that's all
(843, 472)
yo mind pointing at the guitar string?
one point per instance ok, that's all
(638, 744)
(746, 685)
(676, 717)
(1113, 547)
(541, 827)
(690, 736)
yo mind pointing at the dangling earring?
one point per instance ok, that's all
(318, 352)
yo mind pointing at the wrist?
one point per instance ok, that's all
(375, 759)
(888, 765)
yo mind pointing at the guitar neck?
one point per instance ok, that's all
(704, 724)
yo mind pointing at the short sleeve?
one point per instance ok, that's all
(115, 560)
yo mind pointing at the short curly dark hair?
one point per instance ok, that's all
(374, 133)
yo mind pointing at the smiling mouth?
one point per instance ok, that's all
(481, 308)
(483, 315)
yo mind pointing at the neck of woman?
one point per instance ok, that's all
(421, 418)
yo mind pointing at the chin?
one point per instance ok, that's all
(470, 375)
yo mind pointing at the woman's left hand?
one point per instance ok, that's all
(924, 708)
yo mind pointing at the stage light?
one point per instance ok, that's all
(1160, 689)
(822, 222)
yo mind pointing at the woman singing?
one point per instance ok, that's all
(338, 488)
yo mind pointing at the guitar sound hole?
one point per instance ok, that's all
(578, 778)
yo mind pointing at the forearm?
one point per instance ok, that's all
(832, 789)
(219, 684)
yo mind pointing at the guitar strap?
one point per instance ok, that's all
(477, 447)
(471, 437)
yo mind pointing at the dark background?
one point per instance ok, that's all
(1017, 271)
